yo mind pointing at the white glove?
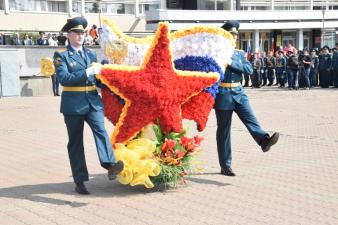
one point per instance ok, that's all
(229, 62)
(93, 70)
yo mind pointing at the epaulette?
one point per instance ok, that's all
(61, 50)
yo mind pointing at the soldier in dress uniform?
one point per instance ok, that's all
(270, 67)
(313, 68)
(277, 77)
(281, 68)
(292, 70)
(324, 68)
(335, 67)
(256, 78)
(80, 102)
(232, 98)
(264, 68)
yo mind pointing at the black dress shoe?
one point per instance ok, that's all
(269, 141)
(227, 171)
(81, 189)
(114, 169)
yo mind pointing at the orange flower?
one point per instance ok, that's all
(180, 154)
(185, 141)
(168, 144)
(198, 140)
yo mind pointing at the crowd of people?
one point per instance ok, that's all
(294, 69)
(50, 39)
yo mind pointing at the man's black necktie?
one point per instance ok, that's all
(81, 55)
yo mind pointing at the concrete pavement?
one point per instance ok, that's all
(295, 183)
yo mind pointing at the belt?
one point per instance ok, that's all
(230, 85)
(80, 89)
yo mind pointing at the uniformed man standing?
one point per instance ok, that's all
(256, 78)
(335, 67)
(281, 68)
(314, 69)
(270, 66)
(232, 98)
(292, 70)
(264, 68)
(324, 68)
(80, 102)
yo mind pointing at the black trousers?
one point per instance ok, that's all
(55, 83)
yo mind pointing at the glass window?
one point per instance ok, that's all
(76, 6)
(143, 8)
(92, 7)
(149, 7)
(223, 4)
(118, 8)
(37, 5)
(205, 5)
(2, 4)
(55, 6)
(129, 8)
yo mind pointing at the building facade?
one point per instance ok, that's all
(265, 24)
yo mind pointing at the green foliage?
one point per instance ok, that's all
(175, 160)
(169, 176)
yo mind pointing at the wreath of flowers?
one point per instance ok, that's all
(158, 88)
(200, 48)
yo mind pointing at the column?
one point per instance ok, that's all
(300, 39)
(272, 4)
(6, 6)
(137, 8)
(256, 40)
(163, 4)
(231, 4)
(83, 11)
(311, 4)
(70, 8)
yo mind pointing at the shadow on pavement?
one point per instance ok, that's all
(98, 185)
(200, 180)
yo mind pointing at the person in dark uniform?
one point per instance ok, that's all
(313, 68)
(270, 67)
(292, 70)
(256, 78)
(281, 68)
(335, 67)
(264, 68)
(80, 102)
(324, 68)
(232, 98)
(277, 76)
(55, 85)
(301, 78)
(246, 76)
(307, 68)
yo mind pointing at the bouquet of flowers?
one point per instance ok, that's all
(176, 153)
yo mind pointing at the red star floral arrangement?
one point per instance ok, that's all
(155, 94)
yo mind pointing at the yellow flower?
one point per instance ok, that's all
(126, 176)
(139, 163)
(47, 66)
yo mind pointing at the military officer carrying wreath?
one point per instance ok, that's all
(80, 102)
(232, 98)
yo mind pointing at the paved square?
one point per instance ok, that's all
(295, 183)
